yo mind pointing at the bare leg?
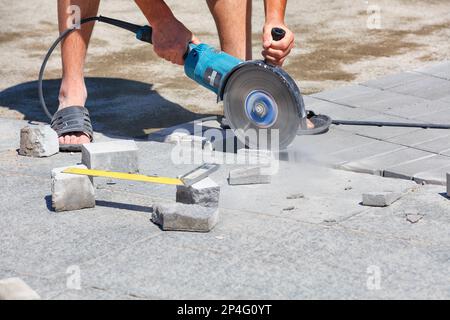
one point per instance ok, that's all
(73, 50)
(233, 21)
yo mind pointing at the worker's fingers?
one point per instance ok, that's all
(283, 44)
(277, 54)
(267, 38)
(274, 61)
(195, 40)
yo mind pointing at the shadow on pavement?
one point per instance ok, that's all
(118, 107)
(123, 206)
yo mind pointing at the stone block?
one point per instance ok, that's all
(118, 155)
(249, 175)
(205, 193)
(38, 141)
(380, 199)
(71, 191)
(448, 184)
(16, 289)
(185, 217)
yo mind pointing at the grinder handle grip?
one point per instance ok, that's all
(277, 35)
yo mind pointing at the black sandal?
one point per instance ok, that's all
(321, 124)
(70, 120)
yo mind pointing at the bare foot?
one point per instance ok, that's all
(309, 124)
(73, 93)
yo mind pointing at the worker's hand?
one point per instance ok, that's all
(275, 52)
(171, 39)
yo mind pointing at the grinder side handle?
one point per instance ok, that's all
(277, 35)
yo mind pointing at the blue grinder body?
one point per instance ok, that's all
(209, 67)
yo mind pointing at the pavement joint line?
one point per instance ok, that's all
(430, 75)
(385, 237)
(120, 249)
(270, 215)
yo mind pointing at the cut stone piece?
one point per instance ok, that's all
(185, 217)
(413, 217)
(38, 141)
(205, 193)
(71, 191)
(249, 175)
(175, 137)
(16, 289)
(448, 184)
(118, 155)
(380, 199)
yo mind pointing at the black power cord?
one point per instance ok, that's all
(143, 33)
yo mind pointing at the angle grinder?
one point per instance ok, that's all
(256, 95)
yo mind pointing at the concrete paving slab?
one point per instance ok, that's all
(391, 222)
(377, 164)
(440, 70)
(421, 139)
(442, 117)
(420, 109)
(343, 92)
(238, 263)
(342, 112)
(394, 80)
(410, 169)
(380, 100)
(375, 148)
(432, 176)
(430, 88)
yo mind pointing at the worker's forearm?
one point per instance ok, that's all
(275, 10)
(156, 11)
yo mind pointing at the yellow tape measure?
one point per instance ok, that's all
(125, 176)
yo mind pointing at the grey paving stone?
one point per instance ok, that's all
(249, 175)
(441, 117)
(185, 217)
(318, 148)
(380, 199)
(420, 109)
(204, 193)
(16, 289)
(38, 141)
(339, 93)
(430, 88)
(375, 148)
(310, 101)
(410, 169)
(394, 80)
(440, 70)
(71, 192)
(321, 196)
(389, 223)
(240, 253)
(118, 155)
(36, 241)
(341, 112)
(432, 176)
(420, 139)
(448, 184)
(440, 145)
(377, 164)
(379, 100)
(10, 138)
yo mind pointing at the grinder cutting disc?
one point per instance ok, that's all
(259, 97)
